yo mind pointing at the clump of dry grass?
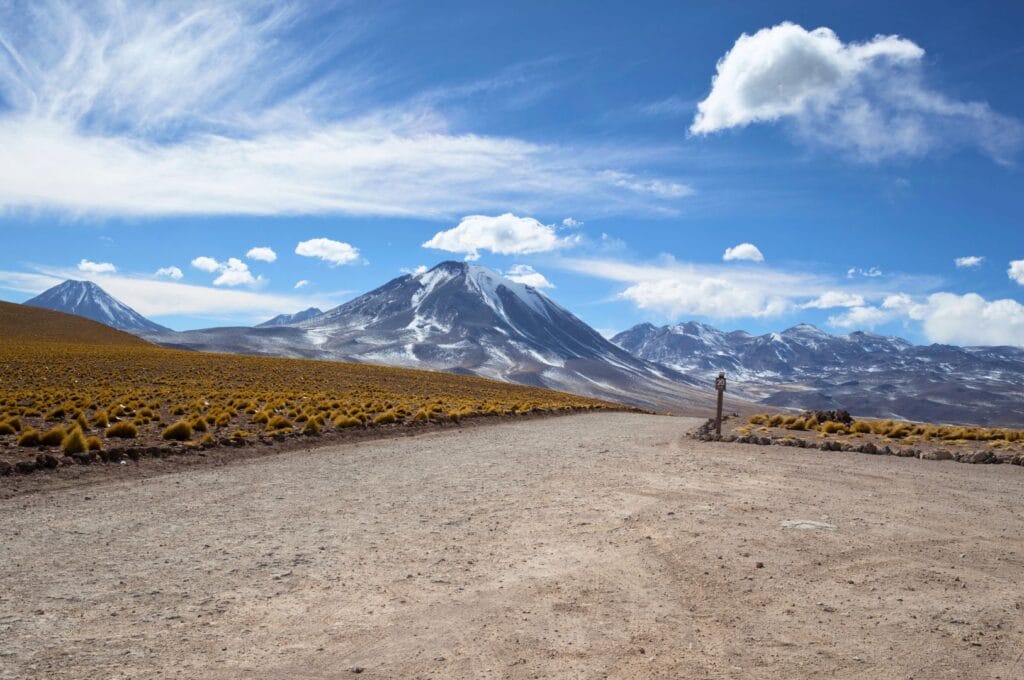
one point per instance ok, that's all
(278, 423)
(74, 442)
(29, 437)
(52, 437)
(342, 422)
(386, 418)
(179, 431)
(122, 430)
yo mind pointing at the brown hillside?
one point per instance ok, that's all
(19, 323)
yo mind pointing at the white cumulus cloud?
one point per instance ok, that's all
(1016, 271)
(971, 320)
(860, 317)
(968, 262)
(503, 234)
(234, 272)
(711, 297)
(206, 264)
(835, 298)
(744, 251)
(945, 317)
(527, 275)
(330, 251)
(262, 254)
(96, 267)
(302, 283)
(866, 98)
(170, 272)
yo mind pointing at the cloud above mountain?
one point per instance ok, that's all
(505, 234)
(96, 267)
(330, 251)
(528, 276)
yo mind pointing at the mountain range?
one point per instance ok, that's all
(864, 373)
(464, 318)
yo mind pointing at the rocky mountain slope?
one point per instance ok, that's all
(85, 298)
(867, 374)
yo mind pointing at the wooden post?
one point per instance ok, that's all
(720, 386)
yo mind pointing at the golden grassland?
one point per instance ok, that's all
(890, 430)
(69, 382)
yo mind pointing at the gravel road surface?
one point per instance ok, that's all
(592, 546)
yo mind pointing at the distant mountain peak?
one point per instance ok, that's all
(805, 329)
(88, 299)
(289, 319)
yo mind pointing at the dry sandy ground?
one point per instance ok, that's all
(589, 546)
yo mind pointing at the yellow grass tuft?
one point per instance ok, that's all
(29, 437)
(123, 430)
(179, 431)
(52, 437)
(74, 442)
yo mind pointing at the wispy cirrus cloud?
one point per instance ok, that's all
(151, 108)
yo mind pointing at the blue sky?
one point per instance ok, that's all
(843, 156)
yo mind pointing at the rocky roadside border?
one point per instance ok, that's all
(706, 433)
(51, 459)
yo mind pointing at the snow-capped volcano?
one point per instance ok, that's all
(466, 318)
(87, 299)
(463, 318)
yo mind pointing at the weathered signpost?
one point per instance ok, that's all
(720, 386)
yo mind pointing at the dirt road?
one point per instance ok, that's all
(589, 546)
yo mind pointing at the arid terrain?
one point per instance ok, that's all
(76, 392)
(603, 545)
